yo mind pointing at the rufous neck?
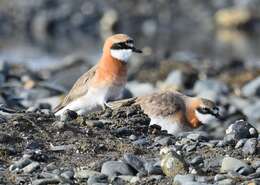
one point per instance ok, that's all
(112, 65)
(191, 105)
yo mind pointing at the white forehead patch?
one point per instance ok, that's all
(121, 54)
(204, 118)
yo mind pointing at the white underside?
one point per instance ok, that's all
(121, 54)
(204, 118)
(93, 100)
(171, 127)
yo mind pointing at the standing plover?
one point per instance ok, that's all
(103, 82)
(173, 111)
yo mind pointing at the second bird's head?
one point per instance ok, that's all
(120, 47)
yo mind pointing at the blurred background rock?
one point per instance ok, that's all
(49, 29)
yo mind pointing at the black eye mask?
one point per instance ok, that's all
(124, 45)
(214, 111)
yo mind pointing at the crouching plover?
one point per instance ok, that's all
(173, 111)
(103, 82)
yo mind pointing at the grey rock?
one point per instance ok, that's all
(219, 177)
(46, 181)
(196, 160)
(175, 78)
(241, 129)
(232, 164)
(69, 174)
(249, 147)
(190, 147)
(135, 162)
(85, 173)
(153, 167)
(226, 182)
(68, 115)
(140, 89)
(31, 167)
(183, 179)
(245, 170)
(61, 148)
(250, 88)
(165, 141)
(59, 124)
(132, 137)
(115, 168)
(210, 89)
(198, 136)
(251, 111)
(97, 179)
(240, 143)
(141, 142)
(94, 124)
(256, 164)
(20, 164)
(122, 131)
(130, 179)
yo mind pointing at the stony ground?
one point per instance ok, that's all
(117, 146)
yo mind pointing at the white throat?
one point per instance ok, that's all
(121, 54)
(204, 118)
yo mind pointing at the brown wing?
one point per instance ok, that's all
(161, 103)
(120, 103)
(79, 88)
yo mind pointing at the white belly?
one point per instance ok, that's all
(93, 100)
(171, 127)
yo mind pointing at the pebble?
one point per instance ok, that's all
(249, 147)
(250, 88)
(20, 164)
(46, 181)
(31, 167)
(196, 160)
(165, 141)
(226, 182)
(219, 177)
(135, 162)
(69, 174)
(129, 178)
(94, 124)
(97, 179)
(123, 131)
(132, 137)
(232, 164)
(240, 143)
(141, 142)
(245, 170)
(61, 148)
(68, 115)
(183, 179)
(153, 167)
(241, 129)
(210, 89)
(256, 164)
(172, 163)
(198, 136)
(85, 173)
(115, 168)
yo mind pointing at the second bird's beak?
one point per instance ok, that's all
(136, 50)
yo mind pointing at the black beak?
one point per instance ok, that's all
(136, 50)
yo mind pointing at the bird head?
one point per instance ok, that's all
(120, 47)
(206, 110)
